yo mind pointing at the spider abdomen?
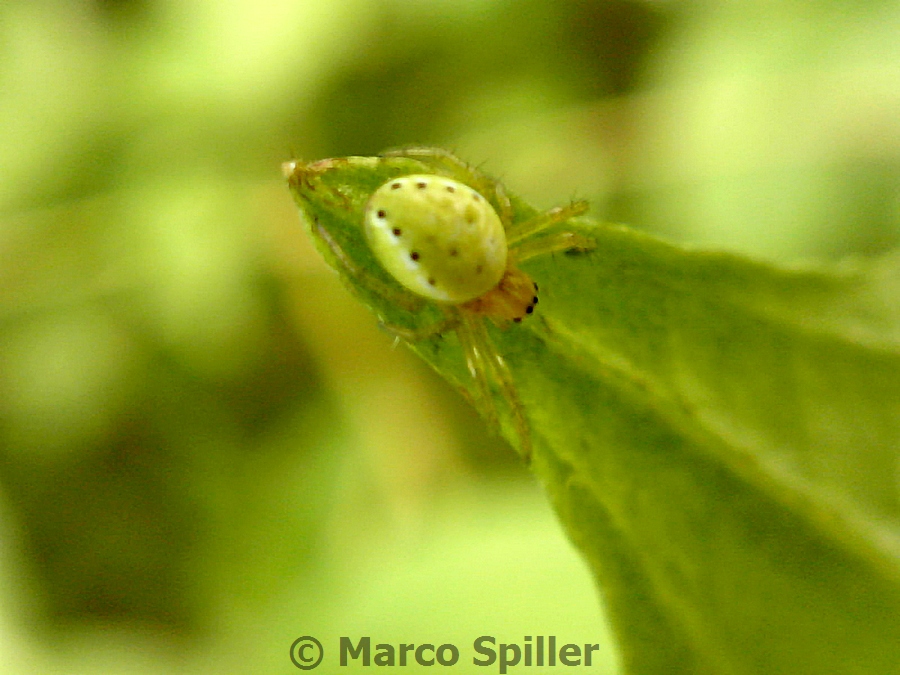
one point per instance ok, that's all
(437, 237)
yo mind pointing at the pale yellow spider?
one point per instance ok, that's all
(449, 238)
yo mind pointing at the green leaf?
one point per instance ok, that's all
(720, 437)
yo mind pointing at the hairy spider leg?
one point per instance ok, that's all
(551, 243)
(519, 231)
(485, 363)
(478, 369)
(423, 332)
(465, 173)
(366, 279)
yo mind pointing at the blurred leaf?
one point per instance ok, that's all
(720, 437)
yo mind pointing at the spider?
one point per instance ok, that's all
(449, 238)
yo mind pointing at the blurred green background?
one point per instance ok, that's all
(207, 448)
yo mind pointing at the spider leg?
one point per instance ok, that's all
(422, 333)
(540, 222)
(558, 241)
(351, 269)
(484, 362)
(502, 200)
(475, 360)
(304, 178)
(465, 172)
(447, 159)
